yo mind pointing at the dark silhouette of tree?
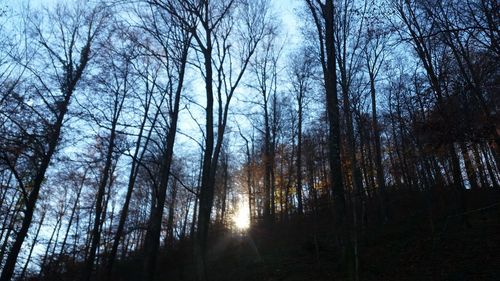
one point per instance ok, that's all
(69, 58)
(137, 138)
(173, 43)
(324, 19)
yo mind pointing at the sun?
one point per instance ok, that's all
(241, 218)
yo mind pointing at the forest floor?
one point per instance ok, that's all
(408, 247)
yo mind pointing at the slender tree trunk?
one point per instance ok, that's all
(458, 183)
(268, 198)
(357, 182)
(10, 263)
(45, 267)
(6, 231)
(186, 216)
(469, 168)
(152, 241)
(169, 241)
(35, 241)
(5, 190)
(130, 188)
(99, 206)
(73, 211)
(490, 166)
(225, 187)
(300, 209)
(193, 220)
(274, 134)
(479, 166)
(249, 177)
(53, 257)
(77, 239)
(378, 149)
(88, 236)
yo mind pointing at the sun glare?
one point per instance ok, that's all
(241, 217)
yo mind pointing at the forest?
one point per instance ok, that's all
(259, 140)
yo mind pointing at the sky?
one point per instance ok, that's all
(285, 11)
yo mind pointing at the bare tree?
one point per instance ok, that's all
(168, 42)
(301, 75)
(147, 73)
(324, 18)
(66, 47)
(264, 68)
(376, 44)
(113, 84)
(225, 33)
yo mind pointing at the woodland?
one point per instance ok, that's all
(260, 140)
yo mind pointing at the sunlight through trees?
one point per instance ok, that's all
(264, 140)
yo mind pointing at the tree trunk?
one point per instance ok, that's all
(73, 211)
(96, 233)
(378, 149)
(490, 166)
(44, 267)
(300, 209)
(130, 188)
(10, 263)
(6, 231)
(169, 241)
(152, 241)
(469, 168)
(35, 240)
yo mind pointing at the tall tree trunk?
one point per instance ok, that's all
(5, 190)
(10, 263)
(357, 181)
(225, 189)
(152, 241)
(300, 209)
(72, 216)
(6, 231)
(469, 168)
(248, 176)
(268, 165)
(99, 206)
(186, 217)
(458, 183)
(325, 23)
(53, 257)
(136, 159)
(35, 241)
(169, 241)
(479, 166)
(208, 172)
(490, 166)
(45, 267)
(193, 219)
(378, 149)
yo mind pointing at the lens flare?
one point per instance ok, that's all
(241, 218)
